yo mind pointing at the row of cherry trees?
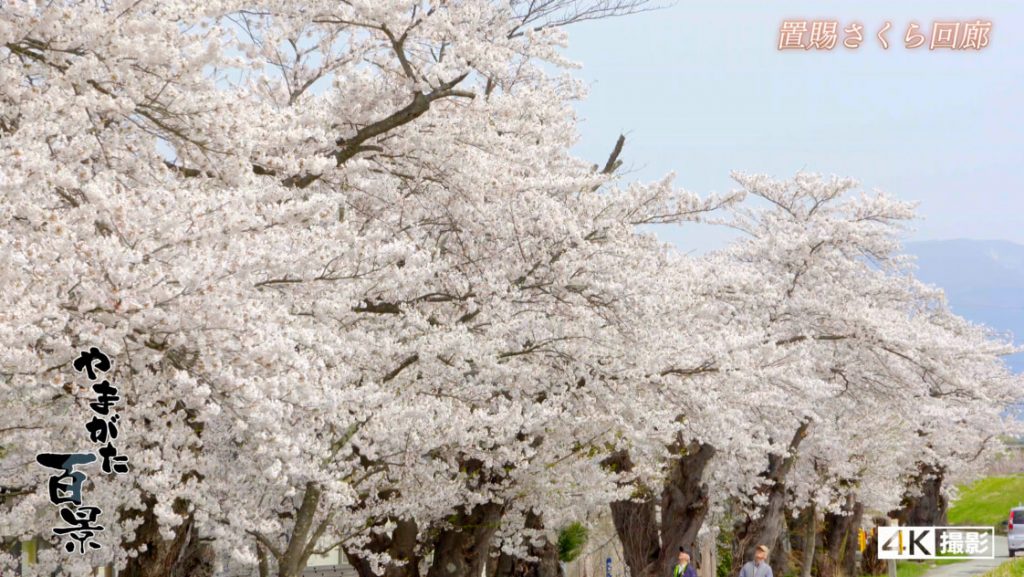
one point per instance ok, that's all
(359, 294)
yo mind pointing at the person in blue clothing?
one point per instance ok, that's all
(684, 568)
(758, 567)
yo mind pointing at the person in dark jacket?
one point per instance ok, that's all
(684, 568)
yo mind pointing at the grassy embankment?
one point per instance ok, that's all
(1013, 568)
(987, 501)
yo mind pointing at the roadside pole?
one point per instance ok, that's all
(892, 562)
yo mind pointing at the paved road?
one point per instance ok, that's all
(975, 566)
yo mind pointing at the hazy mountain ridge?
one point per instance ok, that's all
(983, 280)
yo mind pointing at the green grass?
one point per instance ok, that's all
(910, 569)
(1013, 568)
(987, 501)
(918, 568)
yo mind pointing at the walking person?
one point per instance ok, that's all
(684, 568)
(758, 566)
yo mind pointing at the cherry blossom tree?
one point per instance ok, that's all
(359, 293)
(284, 397)
(845, 292)
(842, 338)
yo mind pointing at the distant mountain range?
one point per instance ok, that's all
(983, 280)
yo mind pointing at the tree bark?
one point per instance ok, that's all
(928, 508)
(463, 550)
(263, 565)
(810, 541)
(870, 564)
(546, 565)
(303, 538)
(183, 555)
(839, 542)
(400, 546)
(637, 529)
(684, 505)
(767, 527)
(832, 537)
(852, 545)
(198, 559)
(708, 556)
(651, 546)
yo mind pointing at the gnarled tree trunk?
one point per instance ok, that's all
(839, 541)
(767, 526)
(400, 546)
(930, 506)
(684, 504)
(650, 546)
(185, 555)
(637, 529)
(546, 565)
(462, 550)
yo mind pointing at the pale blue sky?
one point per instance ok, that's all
(700, 89)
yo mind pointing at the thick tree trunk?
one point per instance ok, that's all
(650, 547)
(637, 529)
(796, 533)
(832, 537)
(930, 506)
(182, 556)
(462, 551)
(870, 563)
(783, 551)
(546, 565)
(839, 541)
(852, 544)
(400, 546)
(197, 560)
(292, 561)
(263, 564)
(767, 530)
(810, 541)
(767, 526)
(684, 505)
(708, 548)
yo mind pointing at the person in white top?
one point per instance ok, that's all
(758, 567)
